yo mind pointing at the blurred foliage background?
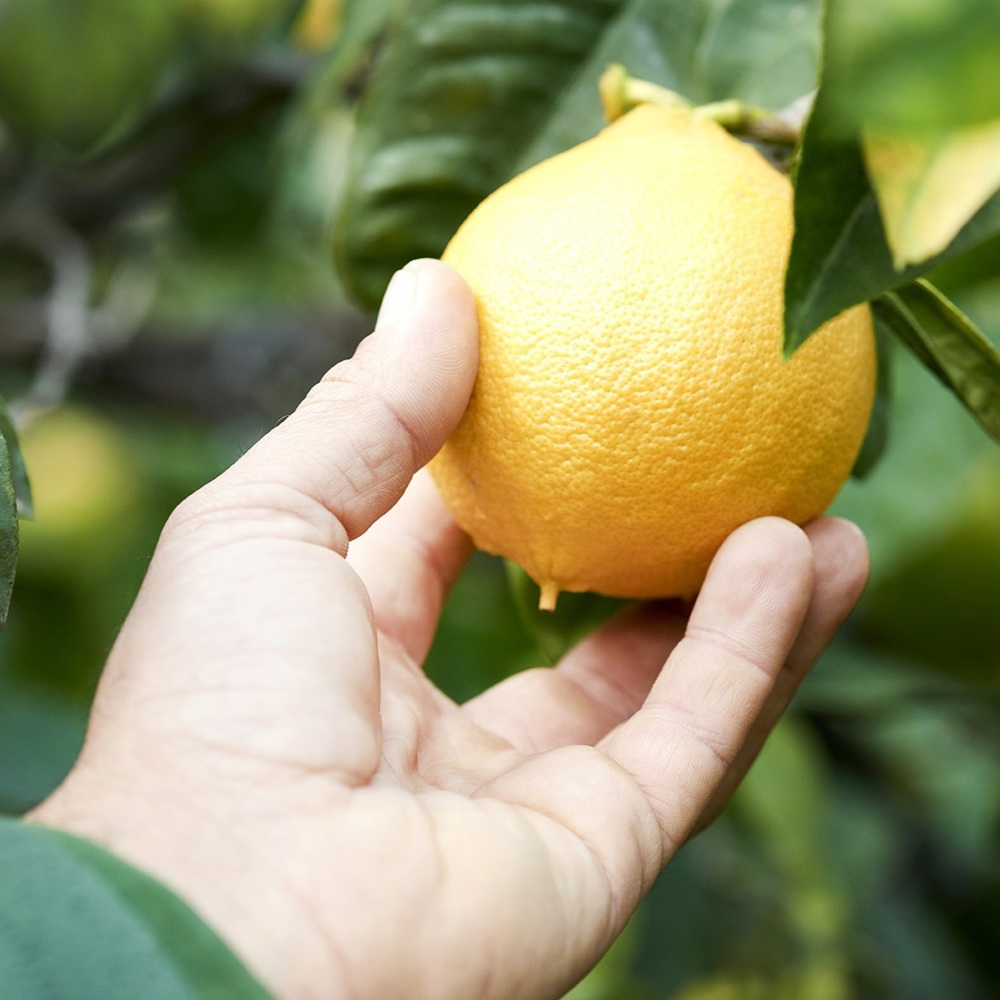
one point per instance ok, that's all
(170, 173)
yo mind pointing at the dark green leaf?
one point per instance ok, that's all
(77, 922)
(575, 615)
(19, 474)
(839, 252)
(948, 343)
(8, 532)
(469, 94)
(461, 86)
(763, 52)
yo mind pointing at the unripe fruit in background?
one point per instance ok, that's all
(76, 73)
(233, 20)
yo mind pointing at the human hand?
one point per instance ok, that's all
(264, 740)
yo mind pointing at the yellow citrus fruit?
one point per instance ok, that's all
(633, 405)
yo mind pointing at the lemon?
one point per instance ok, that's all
(633, 405)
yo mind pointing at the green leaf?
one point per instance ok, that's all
(839, 254)
(914, 63)
(929, 185)
(762, 52)
(78, 922)
(469, 94)
(459, 84)
(948, 343)
(8, 531)
(19, 474)
(575, 616)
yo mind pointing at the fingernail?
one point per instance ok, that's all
(397, 299)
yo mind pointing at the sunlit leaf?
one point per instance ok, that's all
(929, 185)
(840, 255)
(950, 345)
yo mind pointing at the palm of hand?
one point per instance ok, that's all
(265, 741)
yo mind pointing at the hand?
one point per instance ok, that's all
(265, 742)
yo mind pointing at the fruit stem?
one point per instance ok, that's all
(549, 596)
(751, 121)
(621, 93)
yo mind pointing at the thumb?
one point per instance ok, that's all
(348, 452)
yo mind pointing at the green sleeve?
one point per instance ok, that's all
(77, 923)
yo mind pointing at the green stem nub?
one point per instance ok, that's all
(620, 93)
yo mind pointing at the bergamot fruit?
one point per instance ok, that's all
(633, 405)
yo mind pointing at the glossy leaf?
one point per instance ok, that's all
(460, 86)
(840, 255)
(929, 185)
(469, 94)
(950, 345)
(8, 531)
(763, 53)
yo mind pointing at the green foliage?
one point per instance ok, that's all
(949, 345)
(840, 254)
(459, 91)
(469, 94)
(222, 23)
